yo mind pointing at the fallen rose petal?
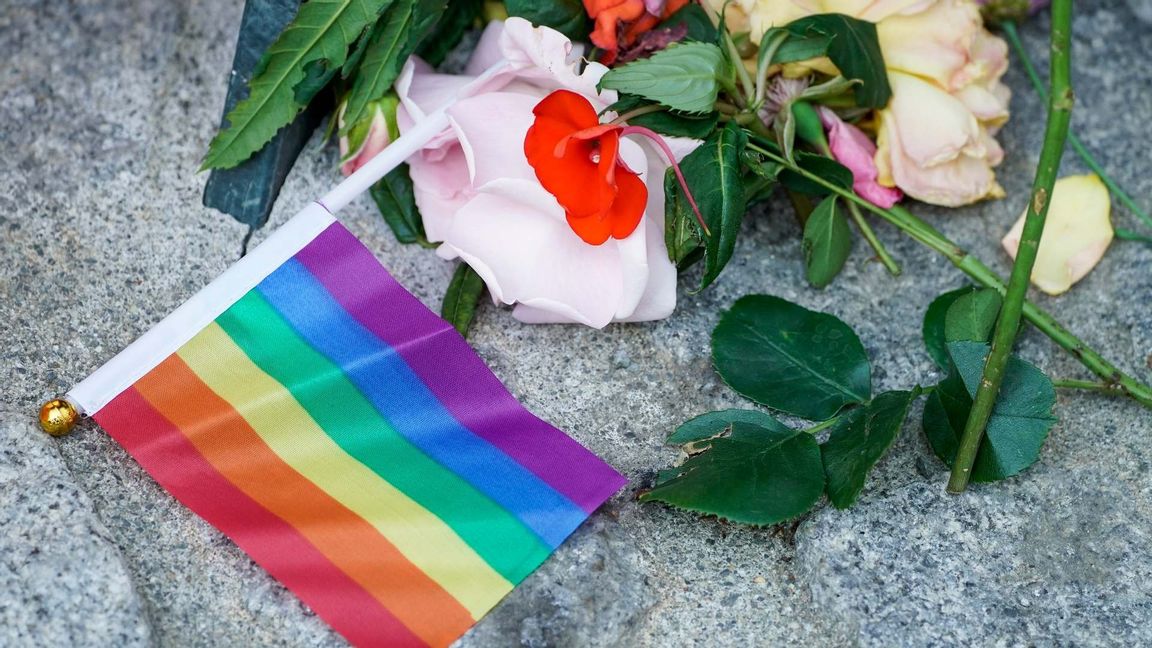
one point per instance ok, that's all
(1077, 232)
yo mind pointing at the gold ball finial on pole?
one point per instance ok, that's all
(58, 417)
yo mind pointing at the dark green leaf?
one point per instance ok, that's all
(827, 243)
(682, 235)
(971, 317)
(757, 187)
(712, 424)
(565, 16)
(394, 38)
(859, 438)
(714, 177)
(1020, 419)
(764, 168)
(933, 327)
(700, 27)
(666, 122)
(855, 50)
(801, 48)
(449, 30)
(460, 299)
(789, 358)
(396, 201)
(825, 168)
(320, 35)
(683, 76)
(753, 473)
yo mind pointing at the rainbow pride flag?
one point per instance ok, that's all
(348, 439)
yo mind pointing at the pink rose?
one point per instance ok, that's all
(852, 148)
(369, 136)
(482, 201)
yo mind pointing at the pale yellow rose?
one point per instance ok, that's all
(931, 146)
(1077, 232)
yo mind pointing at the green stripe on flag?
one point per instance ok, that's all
(343, 412)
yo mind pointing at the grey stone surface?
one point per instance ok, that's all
(105, 108)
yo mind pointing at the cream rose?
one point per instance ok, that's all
(935, 139)
(482, 201)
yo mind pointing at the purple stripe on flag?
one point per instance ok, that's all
(452, 371)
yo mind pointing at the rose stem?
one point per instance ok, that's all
(1060, 101)
(1009, 29)
(870, 236)
(920, 231)
(1072, 383)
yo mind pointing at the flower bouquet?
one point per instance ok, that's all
(596, 154)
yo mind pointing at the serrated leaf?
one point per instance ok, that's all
(682, 235)
(754, 474)
(460, 299)
(858, 439)
(713, 175)
(395, 197)
(825, 168)
(565, 16)
(855, 50)
(972, 316)
(320, 35)
(827, 243)
(665, 122)
(683, 76)
(1020, 420)
(933, 326)
(449, 30)
(394, 38)
(789, 358)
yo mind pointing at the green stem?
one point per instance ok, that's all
(734, 54)
(1004, 336)
(1073, 141)
(870, 236)
(819, 427)
(923, 233)
(1089, 385)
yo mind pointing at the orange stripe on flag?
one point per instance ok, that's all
(233, 447)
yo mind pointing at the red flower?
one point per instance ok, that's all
(620, 22)
(577, 160)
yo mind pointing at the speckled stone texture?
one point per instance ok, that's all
(105, 109)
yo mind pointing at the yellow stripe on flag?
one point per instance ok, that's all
(286, 427)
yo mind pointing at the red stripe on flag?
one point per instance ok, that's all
(274, 544)
(233, 448)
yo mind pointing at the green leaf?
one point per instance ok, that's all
(933, 327)
(665, 122)
(713, 424)
(315, 45)
(749, 472)
(1020, 421)
(682, 235)
(827, 243)
(858, 439)
(394, 38)
(789, 358)
(460, 299)
(855, 50)
(972, 316)
(449, 30)
(565, 16)
(801, 48)
(713, 174)
(683, 76)
(396, 200)
(823, 167)
(700, 27)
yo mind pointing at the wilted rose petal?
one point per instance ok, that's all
(852, 148)
(1077, 232)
